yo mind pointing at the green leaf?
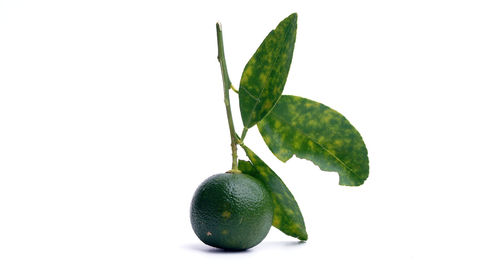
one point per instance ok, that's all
(287, 215)
(265, 74)
(313, 131)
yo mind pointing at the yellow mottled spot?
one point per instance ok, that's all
(327, 117)
(289, 211)
(267, 139)
(276, 222)
(297, 144)
(263, 77)
(226, 214)
(282, 153)
(247, 74)
(224, 232)
(267, 104)
(209, 234)
(296, 227)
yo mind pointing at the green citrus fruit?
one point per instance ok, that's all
(231, 211)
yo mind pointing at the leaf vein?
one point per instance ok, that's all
(319, 144)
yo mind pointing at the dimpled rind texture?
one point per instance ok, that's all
(231, 211)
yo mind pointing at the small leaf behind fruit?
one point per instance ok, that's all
(287, 215)
(265, 74)
(318, 133)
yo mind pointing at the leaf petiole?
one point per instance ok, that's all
(244, 133)
(234, 89)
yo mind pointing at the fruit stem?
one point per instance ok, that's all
(227, 85)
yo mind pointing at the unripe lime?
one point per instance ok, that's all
(232, 211)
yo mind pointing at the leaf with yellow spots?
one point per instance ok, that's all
(313, 131)
(265, 74)
(287, 216)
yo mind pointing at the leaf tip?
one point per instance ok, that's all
(303, 237)
(291, 19)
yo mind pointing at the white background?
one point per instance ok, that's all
(111, 114)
